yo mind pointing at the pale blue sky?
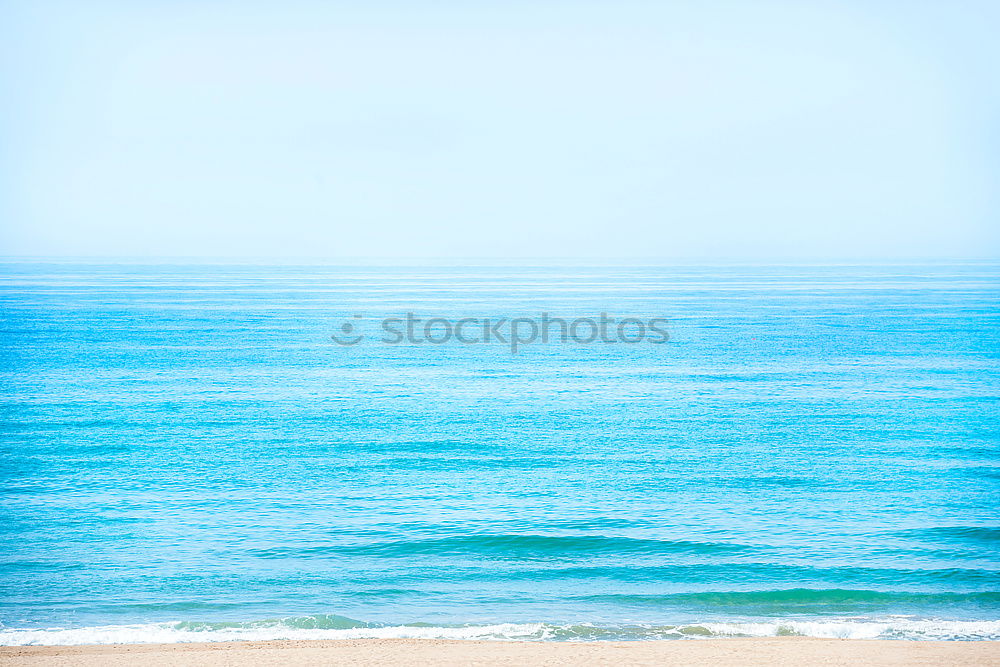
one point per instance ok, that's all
(696, 130)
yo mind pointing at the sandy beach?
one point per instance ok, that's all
(772, 652)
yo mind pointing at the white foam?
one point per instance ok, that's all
(164, 633)
(891, 628)
(153, 633)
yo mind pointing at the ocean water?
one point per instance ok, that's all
(187, 455)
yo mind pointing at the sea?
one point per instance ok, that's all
(234, 451)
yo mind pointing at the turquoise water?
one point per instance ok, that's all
(187, 454)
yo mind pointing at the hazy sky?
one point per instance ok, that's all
(692, 130)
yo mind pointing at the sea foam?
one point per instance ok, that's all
(290, 629)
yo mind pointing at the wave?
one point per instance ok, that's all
(510, 546)
(801, 596)
(331, 627)
(981, 534)
(755, 572)
(803, 602)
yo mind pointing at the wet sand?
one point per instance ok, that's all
(770, 652)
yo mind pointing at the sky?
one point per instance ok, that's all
(713, 130)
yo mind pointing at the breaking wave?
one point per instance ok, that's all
(338, 627)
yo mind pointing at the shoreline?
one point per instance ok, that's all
(763, 651)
